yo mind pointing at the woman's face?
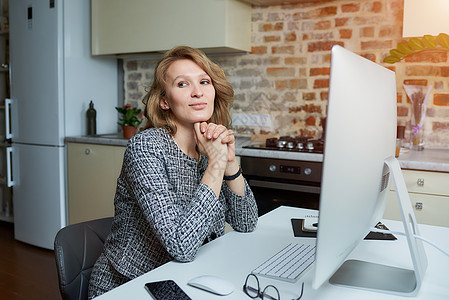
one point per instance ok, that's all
(189, 93)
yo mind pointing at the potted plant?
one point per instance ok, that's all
(130, 119)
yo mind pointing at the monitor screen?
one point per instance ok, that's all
(360, 135)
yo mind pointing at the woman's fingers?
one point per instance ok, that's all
(229, 138)
(197, 130)
(209, 138)
(202, 126)
(212, 130)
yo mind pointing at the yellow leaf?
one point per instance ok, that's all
(415, 44)
(391, 59)
(443, 40)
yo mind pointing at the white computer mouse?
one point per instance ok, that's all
(213, 284)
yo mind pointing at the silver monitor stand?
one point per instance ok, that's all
(388, 279)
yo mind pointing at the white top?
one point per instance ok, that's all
(234, 255)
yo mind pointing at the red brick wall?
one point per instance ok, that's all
(287, 72)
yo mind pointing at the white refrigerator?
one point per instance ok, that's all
(53, 79)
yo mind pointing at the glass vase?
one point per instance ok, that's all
(416, 134)
(418, 95)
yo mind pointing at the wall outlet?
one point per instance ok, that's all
(246, 119)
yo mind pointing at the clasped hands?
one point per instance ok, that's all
(215, 141)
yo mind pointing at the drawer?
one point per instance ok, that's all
(434, 183)
(432, 210)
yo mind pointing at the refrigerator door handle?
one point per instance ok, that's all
(8, 134)
(9, 179)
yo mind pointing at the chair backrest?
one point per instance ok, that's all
(77, 248)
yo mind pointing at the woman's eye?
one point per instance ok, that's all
(205, 81)
(182, 84)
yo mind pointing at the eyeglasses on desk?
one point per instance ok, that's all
(270, 292)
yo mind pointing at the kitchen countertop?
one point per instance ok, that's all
(111, 139)
(430, 159)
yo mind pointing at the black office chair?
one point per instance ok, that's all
(77, 248)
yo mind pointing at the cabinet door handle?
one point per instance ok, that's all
(420, 181)
(8, 130)
(9, 180)
(87, 151)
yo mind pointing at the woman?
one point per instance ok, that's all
(180, 180)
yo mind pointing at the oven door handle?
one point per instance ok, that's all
(285, 186)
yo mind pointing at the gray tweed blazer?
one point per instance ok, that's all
(163, 211)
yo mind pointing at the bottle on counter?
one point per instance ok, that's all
(399, 137)
(91, 115)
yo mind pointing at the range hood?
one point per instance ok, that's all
(133, 28)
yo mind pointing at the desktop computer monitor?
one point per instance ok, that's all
(360, 138)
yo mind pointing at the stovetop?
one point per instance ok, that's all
(291, 144)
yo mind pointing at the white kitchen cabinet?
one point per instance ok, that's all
(92, 176)
(148, 26)
(429, 195)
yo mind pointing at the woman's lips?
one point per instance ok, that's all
(198, 106)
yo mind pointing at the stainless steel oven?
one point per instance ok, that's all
(277, 181)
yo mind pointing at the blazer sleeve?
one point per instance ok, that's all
(242, 212)
(181, 228)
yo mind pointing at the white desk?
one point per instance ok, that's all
(234, 255)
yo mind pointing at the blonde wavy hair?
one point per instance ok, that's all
(224, 94)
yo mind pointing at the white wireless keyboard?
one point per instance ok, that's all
(289, 263)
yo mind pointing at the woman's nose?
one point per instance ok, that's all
(196, 91)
